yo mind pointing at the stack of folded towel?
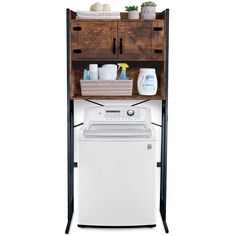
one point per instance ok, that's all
(98, 15)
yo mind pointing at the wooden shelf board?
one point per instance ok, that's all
(117, 60)
(115, 20)
(124, 17)
(159, 65)
(133, 97)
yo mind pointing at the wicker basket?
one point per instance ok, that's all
(106, 87)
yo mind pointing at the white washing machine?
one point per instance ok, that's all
(117, 167)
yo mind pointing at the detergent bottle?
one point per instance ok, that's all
(123, 67)
(147, 81)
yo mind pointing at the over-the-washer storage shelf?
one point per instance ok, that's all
(141, 44)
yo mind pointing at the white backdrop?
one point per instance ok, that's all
(201, 154)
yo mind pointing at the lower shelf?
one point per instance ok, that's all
(133, 72)
(133, 97)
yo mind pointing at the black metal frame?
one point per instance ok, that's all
(70, 134)
(164, 133)
(117, 227)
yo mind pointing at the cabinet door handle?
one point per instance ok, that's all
(158, 28)
(77, 51)
(121, 45)
(77, 28)
(158, 51)
(114, 46)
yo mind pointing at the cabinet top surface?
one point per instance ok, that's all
(124, 18)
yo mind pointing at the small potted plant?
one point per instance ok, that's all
(148, 10)
(133, 13)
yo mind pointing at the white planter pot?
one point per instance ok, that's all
(148, 13)
(133, 15)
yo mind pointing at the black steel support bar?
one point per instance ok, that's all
(99, 104)
(70, 136)
(78, 125)
(156, 124)
(164, 134)
(117, 227)
(140, 102)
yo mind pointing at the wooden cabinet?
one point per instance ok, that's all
(140, 43)
(117, 40)
(141, 40)
(94, 39)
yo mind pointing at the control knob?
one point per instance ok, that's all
(130, 112)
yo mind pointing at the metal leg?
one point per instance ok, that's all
(165, 227)
(70, 136)
(163, 166)
(70, 164)
(164, 133)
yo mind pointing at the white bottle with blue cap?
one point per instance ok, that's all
(147, 82)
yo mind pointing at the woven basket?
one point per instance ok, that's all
(106, 87)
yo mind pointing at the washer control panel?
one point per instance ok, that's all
(117, 114)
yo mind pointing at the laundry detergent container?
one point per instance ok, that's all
(147, 82)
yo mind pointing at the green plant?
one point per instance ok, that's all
(131, 8)
(149, 4)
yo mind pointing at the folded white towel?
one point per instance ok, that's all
(100, 13)
(100, 17)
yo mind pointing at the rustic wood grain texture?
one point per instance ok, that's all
(140, 42)
(73, 38)
(95, 39)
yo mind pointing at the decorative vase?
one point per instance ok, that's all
(148, 13)
(133, 15)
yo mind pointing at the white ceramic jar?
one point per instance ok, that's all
(147, 82)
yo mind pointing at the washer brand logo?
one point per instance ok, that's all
(149, 146)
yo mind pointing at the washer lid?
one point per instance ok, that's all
(117, 130)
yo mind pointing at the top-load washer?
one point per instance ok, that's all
(118, 152)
